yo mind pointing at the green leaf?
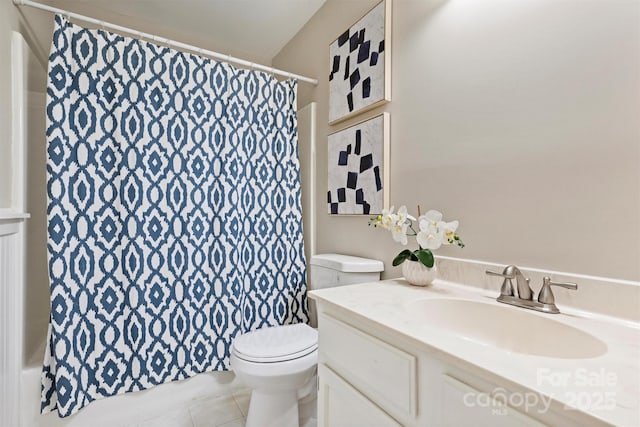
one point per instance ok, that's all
(402, 257)
(425, 257)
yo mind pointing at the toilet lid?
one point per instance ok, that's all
(277, 343)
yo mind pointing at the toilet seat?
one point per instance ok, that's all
(276, 344)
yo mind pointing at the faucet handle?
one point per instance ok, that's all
(507, 287)
(506, 274)
(546, 295)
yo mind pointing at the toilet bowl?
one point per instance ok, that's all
(279, 365)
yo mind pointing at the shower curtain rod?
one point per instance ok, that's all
(166, 41)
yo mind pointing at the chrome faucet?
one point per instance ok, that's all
(509, 273)
(546, 301)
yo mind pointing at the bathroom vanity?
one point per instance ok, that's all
(391, 354)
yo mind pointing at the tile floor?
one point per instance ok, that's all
(221, 411)
(214, 399)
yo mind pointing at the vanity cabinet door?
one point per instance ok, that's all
(341, 405)
(384, 373)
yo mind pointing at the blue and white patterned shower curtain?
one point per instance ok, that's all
(174, 213)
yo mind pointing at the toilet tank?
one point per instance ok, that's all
(329, 270)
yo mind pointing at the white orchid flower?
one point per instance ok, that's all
(431, 216)
(433, 231)
(449, 229)
(399, 232)
(403, 216)
(387, 218)
(401, 225)
(430, 235)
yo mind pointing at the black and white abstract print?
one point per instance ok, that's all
(357, 65)
(356, 169)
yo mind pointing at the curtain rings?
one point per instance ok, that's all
(272, 73)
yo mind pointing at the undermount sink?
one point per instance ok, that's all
(508, 328)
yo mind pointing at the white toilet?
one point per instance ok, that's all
(279, 363)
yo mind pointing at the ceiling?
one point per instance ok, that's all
(255, 30)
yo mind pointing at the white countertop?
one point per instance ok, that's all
(591, 385)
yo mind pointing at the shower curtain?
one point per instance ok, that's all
(174, 215)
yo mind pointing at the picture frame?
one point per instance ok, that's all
(358, 168)
(360, 65)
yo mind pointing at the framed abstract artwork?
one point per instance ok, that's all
(360, 65)
(358, 172)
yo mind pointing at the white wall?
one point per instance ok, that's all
(32, 24)
(36, 292)
(519, 118)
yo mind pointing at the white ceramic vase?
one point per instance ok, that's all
(418, 274)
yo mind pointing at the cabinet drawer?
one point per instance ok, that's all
(466, 406)
(386, 374)
(340, 405)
